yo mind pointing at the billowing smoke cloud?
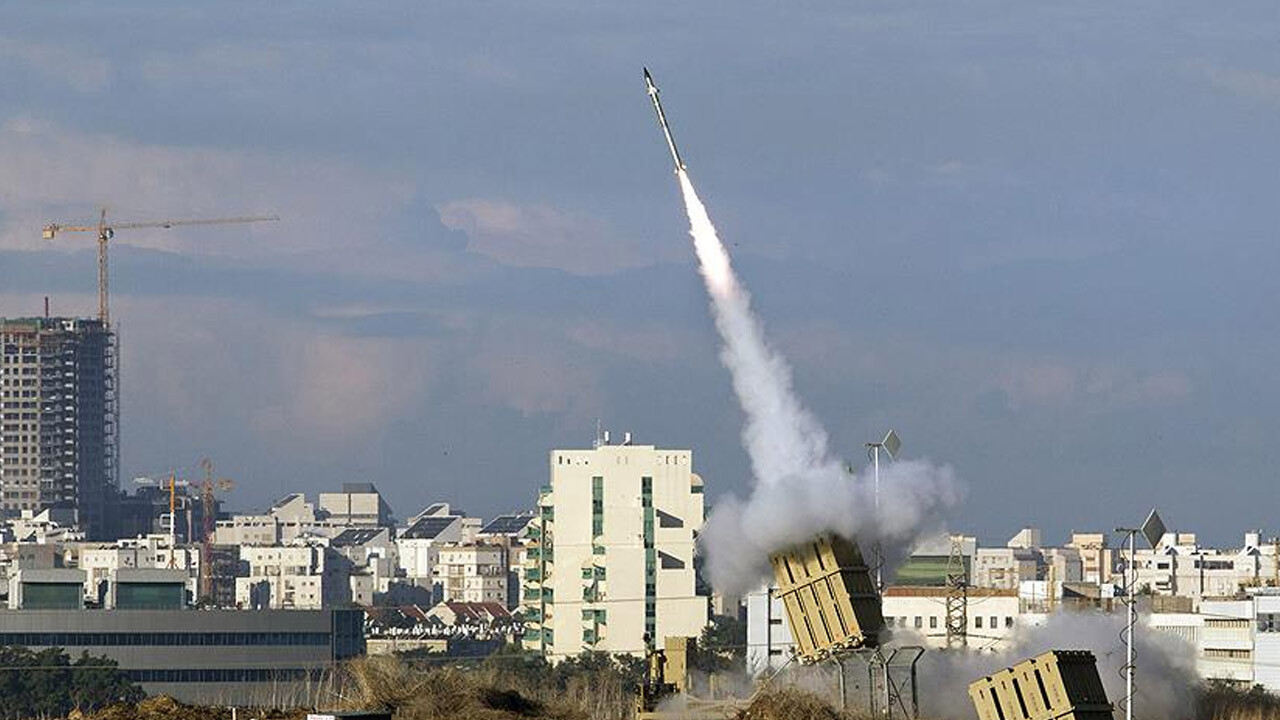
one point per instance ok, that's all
(1164, 684)
(800, 490)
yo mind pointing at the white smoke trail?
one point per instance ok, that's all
(799, 490)
(781, 436)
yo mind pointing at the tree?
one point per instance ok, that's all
(722, 646)
(48, 684)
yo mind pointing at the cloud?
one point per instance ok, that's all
(531, 368)
(649, 343)
(1056, 384)
(1246, 83)
(329, 210)
(536, 235)
(64, 63)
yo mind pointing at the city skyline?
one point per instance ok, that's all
(1032, 240)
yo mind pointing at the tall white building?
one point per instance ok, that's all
(611, 558)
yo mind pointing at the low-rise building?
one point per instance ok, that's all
(358, 505)
(1097, 560)
(420, 542)
(302, 576)
(474, 573)
(101, 560)
(207, 657)
(511, 532)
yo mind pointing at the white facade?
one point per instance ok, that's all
(1188, 570)
(101, 561)
(309, 577)
(1235, 640)
(357, 505)
(475, 573)
(291, 518)
(417, 553)
(1003, 568)
(769, 642)
(614, 553)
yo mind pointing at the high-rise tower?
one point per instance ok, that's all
(58, 418)
(611, 559)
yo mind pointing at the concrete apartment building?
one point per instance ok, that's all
(511, 532)
(1004, 568)
(304, 576)
(100, 561)
(1097, 560)
(1180, 567)
(474, 573)
(612, 556)
(419, 543)
(359, 505)
(58, 436)
(1236, 640)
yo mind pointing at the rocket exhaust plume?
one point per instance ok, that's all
(799, 489)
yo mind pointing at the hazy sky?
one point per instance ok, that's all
(1037, 239)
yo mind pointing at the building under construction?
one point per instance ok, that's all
(59, 414)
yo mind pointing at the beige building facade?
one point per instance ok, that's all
(611, 558)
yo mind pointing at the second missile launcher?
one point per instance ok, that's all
(830, 598)
(1057, 685)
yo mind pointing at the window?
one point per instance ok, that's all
(933, 622)
(597, 506)
(919, 622)
(1008, 621)
(977, 621)
(993, 624)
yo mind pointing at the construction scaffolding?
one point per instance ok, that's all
(59, 418)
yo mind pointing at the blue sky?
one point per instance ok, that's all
(1036, 239)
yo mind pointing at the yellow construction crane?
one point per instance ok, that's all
(106, 231)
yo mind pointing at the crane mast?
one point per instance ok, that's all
(106, 231)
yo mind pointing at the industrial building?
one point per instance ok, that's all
(611, 556)
(217, 657)
(259, 657)
(58, 419)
